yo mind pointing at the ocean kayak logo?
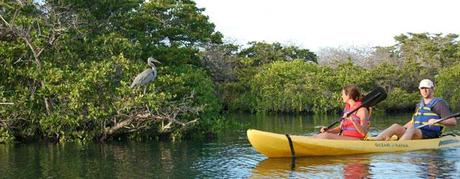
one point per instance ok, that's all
(446, 142)
(391, 145)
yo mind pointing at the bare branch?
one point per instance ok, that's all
(118, 126)
(4, 21)
(20, 3)
(142, 119)
(7, 103)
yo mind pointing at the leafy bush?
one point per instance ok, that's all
(447, 86)
(296, 86)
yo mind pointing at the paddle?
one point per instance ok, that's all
(371, 99)
(442, 119)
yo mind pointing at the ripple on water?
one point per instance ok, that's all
(227, 160)
(418, 164)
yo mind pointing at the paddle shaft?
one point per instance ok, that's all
(442, 119)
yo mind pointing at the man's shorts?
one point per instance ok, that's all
(430, 134)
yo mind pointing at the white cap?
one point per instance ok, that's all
(426, 83)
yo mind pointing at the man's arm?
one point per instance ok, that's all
(442, 109)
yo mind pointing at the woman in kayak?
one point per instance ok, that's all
(353, 127)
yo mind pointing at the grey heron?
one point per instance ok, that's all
(142, 79)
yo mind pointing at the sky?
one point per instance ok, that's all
(317, 24)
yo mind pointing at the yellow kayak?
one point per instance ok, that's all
(277, 145)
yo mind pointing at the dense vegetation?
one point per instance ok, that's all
(288, 84)
(66, 67)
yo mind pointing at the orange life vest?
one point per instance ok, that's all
(347, 127)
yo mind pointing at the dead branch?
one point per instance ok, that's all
(168, 119)
(4, 21)
(7, 103)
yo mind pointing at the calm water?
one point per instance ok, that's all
(230, 156)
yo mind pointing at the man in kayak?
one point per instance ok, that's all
(353, 127)
(428, 111)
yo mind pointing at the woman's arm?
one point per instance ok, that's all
(334, 130)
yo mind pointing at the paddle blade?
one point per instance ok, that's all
(375, 96)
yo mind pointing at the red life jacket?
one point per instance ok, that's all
(347, 127)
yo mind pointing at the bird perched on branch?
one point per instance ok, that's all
(147, 76)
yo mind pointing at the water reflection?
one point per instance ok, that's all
(417, 164)
(342, 167)
(434, 164)
(118, 160)
(230, 156)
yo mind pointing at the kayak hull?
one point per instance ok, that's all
(275, 145)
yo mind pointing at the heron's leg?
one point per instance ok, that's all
(148, 109)
(145, 88)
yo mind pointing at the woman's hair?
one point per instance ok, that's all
(353, 91)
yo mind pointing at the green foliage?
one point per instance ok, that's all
(77, 87)
(447, 86)
(401, 88)
(260, 53)
(431, 51)
(236, 96)
(85, 97)
(283, 86)
(184, 80)
(385, 74)
(67, 65)
(348, 73)
(293, 87)
(400, 100)
(5, 136)
(300, 86)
